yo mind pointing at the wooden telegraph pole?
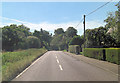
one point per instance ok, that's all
(84, 31)
(84, 34)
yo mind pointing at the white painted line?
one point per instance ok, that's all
(57, 61)
(23, 72)
(28, 67)
(60, 67)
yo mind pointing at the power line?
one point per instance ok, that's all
(92, 12)
(79, 23)
(98, 8)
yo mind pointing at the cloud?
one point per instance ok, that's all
(14, 20)
(51, 26)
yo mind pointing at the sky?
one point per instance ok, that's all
(52, 15)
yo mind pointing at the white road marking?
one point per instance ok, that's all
(23, 72)
(59, 64)
(57, 61)
(60, 67)
(28, 67)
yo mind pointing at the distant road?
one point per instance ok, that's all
(57, 66)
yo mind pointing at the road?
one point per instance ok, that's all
(57, 66)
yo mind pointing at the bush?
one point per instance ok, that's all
(96, 53)
(74, 49)
(112, 55)
(33, 42)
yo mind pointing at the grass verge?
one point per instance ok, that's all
(15, 62)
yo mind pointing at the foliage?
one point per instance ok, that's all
(111, 54)
(96, 53)
(71, 32)
(59, 31)
(118, 34)
(97, 38)
(12, 35)
(15, 37)
(33, 42)
(0, 39)
(15, 62)
(74, 49)
(76, 40)
(107, 36)
(61, 39)
(112, 25)
(44, 37)
(111, 20)
(19, 37)
(58, 42)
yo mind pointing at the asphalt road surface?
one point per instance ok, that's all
(57, 66)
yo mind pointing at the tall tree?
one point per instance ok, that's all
(44, 37)
(71, 32)
(12, 36)
(59, 31)
(76, 40)
(33, 42)
(97, 37)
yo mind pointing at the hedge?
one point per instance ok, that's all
(74, 49)
(96, 53)
(111, 54)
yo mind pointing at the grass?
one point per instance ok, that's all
(64, 50)
(81, 53)
(15, 62)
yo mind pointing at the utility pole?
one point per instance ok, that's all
(84, 31)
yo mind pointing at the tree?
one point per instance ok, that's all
(71, 32)
(59, 31)
(12, 36)
(111, 20)
(112, 25)
(56, 42)
(61, 39)
(0, 39)
(118, 25)
(25, 29)
(44, 37)
(98, 37)
(76, 40)
(33, 42)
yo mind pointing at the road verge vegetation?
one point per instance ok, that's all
(113, 55)
(96, 53)
(74, 49)
(15, 62)
(107, 54)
